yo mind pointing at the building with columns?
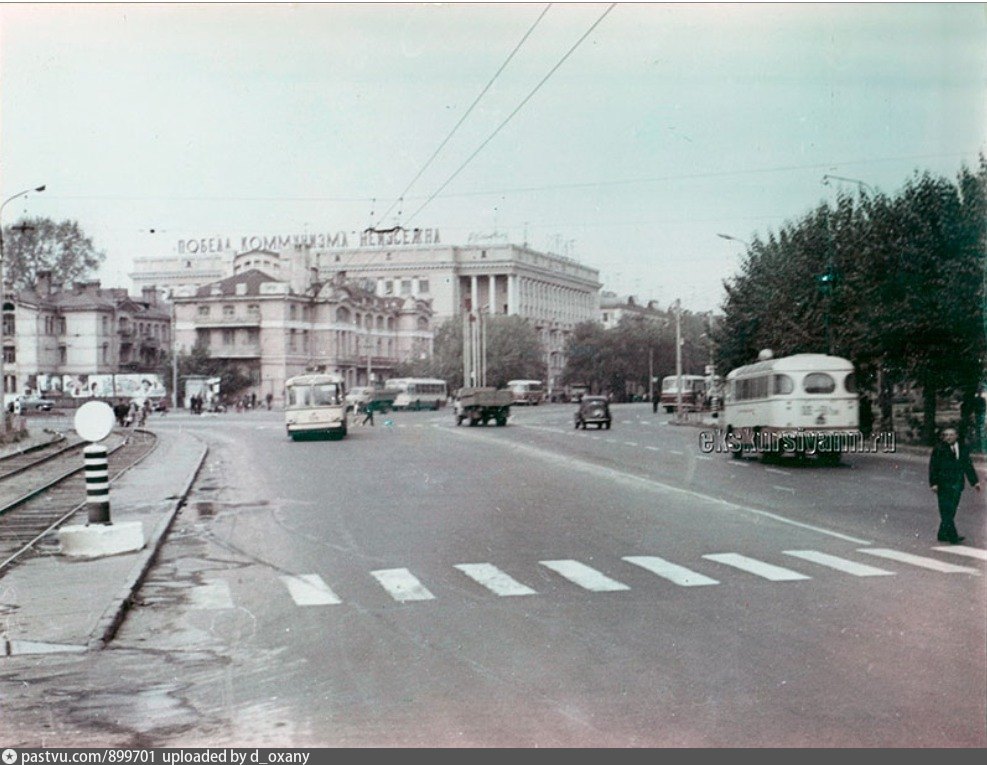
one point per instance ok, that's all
(554, 292)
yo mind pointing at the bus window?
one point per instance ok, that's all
(783, 385)
(325, 395)
(850, 383)
(819, 382)
(298, 395)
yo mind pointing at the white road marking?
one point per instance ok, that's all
(703, 457)
(565, 462)
(630, 443)
(310, 590)
(840, 564)
(971, 552)
(671, 571)
(918, 560)
(776, 470)
(757, 567)
(652, 448)
(674, 451)
(783, 488)
(739, 463)
(402, 585)
(494, 579)
(212, 596)
(586, 577)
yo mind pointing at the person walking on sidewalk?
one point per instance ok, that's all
(949, 466)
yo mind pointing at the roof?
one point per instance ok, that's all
(799, 362)
(313, 379)
(253, 278)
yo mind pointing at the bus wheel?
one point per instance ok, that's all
(829, 458)
(459, 420)
(501, 422)
(606, 425)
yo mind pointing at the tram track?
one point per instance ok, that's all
(30, 516)
(35, 456)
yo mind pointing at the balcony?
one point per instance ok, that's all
(238, 320)
(235, 351)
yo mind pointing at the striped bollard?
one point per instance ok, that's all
(97, 484)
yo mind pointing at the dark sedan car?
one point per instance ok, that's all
(593, 410)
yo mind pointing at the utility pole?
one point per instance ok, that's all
(651, 375)
(678, 360)
(174, 351)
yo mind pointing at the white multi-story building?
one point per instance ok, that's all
(554, 292)
(614, 307)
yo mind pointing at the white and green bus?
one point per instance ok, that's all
(418, 392)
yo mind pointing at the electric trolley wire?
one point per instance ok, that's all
(516, 110)
(465, 115)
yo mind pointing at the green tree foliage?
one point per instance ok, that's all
(906, 294)
(514, 352)
(42, 244)
(617, 360)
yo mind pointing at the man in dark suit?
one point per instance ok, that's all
(949, 465)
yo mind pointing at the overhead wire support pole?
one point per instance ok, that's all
(513, 113)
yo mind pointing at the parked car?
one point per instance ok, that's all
(36, 404)
(593, 410)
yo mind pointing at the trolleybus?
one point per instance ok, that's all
(418, 393)
(315, 407)
(804, 404)
(530, 392)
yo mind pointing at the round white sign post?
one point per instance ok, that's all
(93, 422)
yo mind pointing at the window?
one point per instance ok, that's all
(406, 286)
(227, 337)
(783, 385)
(292, 342)
(106, 353)
(253, 335)
(203, 310)
(9, 355)
(388, 288)
(819, 382)
(423, 286)
(228, 311)
(850, 383)
(63, 355)
(292, 312)
(8, 324)
(106, 325)
(61, 325)
(253, 309)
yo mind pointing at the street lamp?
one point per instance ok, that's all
(3, 377)
(827, 178)
(735, 239)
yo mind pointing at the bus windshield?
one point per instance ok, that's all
(324, 394)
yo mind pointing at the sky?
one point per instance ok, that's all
(629, 149)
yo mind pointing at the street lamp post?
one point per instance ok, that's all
(3, 376)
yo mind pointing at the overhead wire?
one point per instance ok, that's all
(466, 114)
(513, 113)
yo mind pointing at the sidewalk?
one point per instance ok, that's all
(52, 603)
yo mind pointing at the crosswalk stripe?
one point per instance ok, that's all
(494, 579)
(586, 577)
(214, 595)
(402, 585)
(757, 567)
(918, 560)
(970, 552)
(310, 590)
(671, 571)
(840, 564)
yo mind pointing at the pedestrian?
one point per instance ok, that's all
(368, 414)
(979, 412)
(270, 398)
(120, 412)
(866, 416)
(253, 401)
(949, 465)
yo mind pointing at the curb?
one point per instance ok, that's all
(112, 618)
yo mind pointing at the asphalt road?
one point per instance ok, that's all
(419, 584)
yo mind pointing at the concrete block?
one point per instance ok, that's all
(98, 540)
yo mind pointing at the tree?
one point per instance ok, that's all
(42, 244)
(514, 352)
(198, 361)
